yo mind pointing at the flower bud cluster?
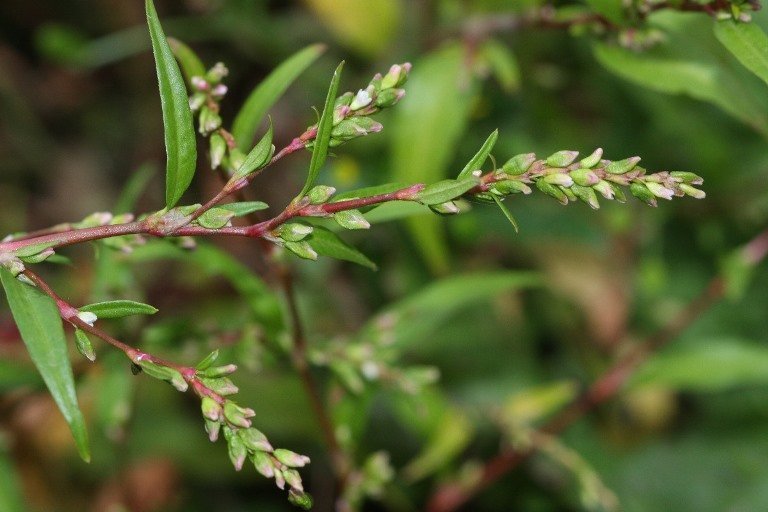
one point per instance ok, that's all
(244, 442)
(369, 360)
(563, 177)
(352, 111)
(208, 91)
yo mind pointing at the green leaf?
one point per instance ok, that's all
(691, 61)
(190, 63)
(506, 213)
(11, 499)
(502, 63)
(748, 43)
(451, 435)
(207, 361)
(119, 309)
(326, 243)
(136, 185)
(706, 366)
(324, 128)
(476, 161)
(39, 323)
(269, 91)
(245, 207)
(375, 190)
(425, 131)
(180, 148)
(446, 190)
(435, 304)
(258, 157)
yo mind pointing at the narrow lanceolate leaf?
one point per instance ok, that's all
(245, 207)
(119, 309)
(324, 128)
(181, 152)
(190, 63)
(268, 92)
(39, 323)
(507, 213)
(446, 190)
(480, 156)
(748, 43)
(257, 157)
(326, 243)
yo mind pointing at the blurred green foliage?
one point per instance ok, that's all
(79, 113)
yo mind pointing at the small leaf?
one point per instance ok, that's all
(40, 326)
(324, 128)
(215, 218)
(258, 157)
(351, 219)
(118, 309)
(245, 207)
(84, 345)
(446, 190)
(326, 243)
(502, 63)
(479, 158)
(507, 213)
(180, 147)
(748, 43)
(207, 361)
(269, 91)
(369, 191)
(190, 63)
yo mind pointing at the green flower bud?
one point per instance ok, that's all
(396, 76)
(293, 479)
(196, 101)
(592, 160)
(209, 121)
(220, 385)
(584, 177)
(344, 100)
(693, 192)
(640, 191)
(507, 187)
(237, 415)
(320, 194)
(236, 159)
(212, 428)
(622, 166)
(211, 408)
(605, 189)
(587, 195)
(216, 73)
(687, 177)
(218, 371)
(447, 208)
(560, 179)
(291, 459)
(39, 257)
(518, 164)
(237, 452)
(218, 148)
(254, 440)
(351, 219)
(84, 345)
(263, 463)
(279, 479)
(300, 499)
(389, 97)
(215, 218)
(354, 127)
(552, 190)
(294, 231)
(660, 190)
(562, 158)
(302, 249)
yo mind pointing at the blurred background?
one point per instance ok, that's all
(81, 129)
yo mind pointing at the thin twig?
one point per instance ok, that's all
(452, 496)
